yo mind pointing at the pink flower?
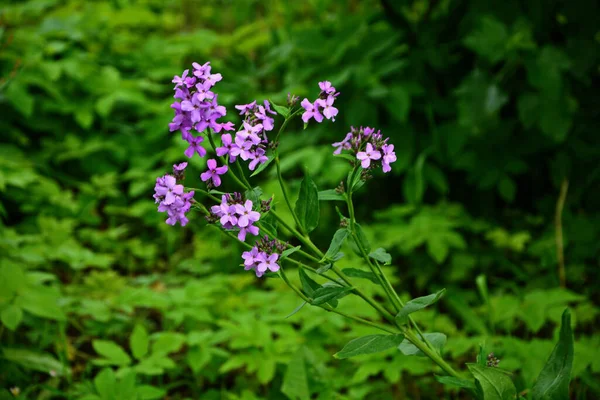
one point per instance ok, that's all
(246, 215)
(312, 111)
(329, 111)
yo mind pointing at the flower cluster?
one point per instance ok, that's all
(323, 106)
(198, 108)
(263, 256)
(250, 142)
(370, 147)
(234, 213)
(171, 197)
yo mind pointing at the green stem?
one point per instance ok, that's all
(224, 162)
(331, 309)
(286, 197)
(241, 172)
(433, 355)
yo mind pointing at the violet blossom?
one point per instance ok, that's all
(172, 199)
(234, 213)
(369, 147)
(213, 173)
(323, 106)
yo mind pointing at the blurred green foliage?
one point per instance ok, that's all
(492, 106)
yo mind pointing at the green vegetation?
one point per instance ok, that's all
(493, 112)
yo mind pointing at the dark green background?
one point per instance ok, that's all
(492, 107)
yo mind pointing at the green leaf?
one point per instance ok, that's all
(254, 194)
(168, 342)
(359, 273)
(126, 386)
(331, 195)
(295, 380)
(307, 205)
(493, 383)
(381, 255)
(489, 40)
(553, 381)
(438, 340)
(336, 243)
(289, 252)
(368, 345)
(106, 384)
(263, 166)
(111, 351)
(20, 98)
(11, 316)
(296, 309)
(417, 304)
(42, 362)
(308, 285)
(458, 382)
(507, 189)
(346, 156)
(12, 280)
(281, 110)
(147, 392)
(327, 294)
(41, 304)
(138, 341)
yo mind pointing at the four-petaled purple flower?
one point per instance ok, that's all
(247, 216)
(213, 172)
(312, 111)
(388, 157)
(195, 147)
(366, 156)
(329, 111)
(268, 263)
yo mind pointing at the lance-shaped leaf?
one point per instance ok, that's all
(457, 382)
(290, 251)
(264, 165)
(553, 381)
(307, 205)
(327, 294)
(336, 243)
(368, 345)
(437, 340)
(417, 304)
(493, 383)
(281, 110)
(381, 255)
(359, 273)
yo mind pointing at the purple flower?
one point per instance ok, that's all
(368, 155)
(388, 157)
(203, 91)
(251, 258)
(226, 147)
(178, 81)
(326, 87)
(261, 114)
(246, 215)
(169, 189)
(250, 132)
(344, 144)
(268, 263)
(213, 173)
(246, 108)
(312, 111)
(195, 147)
(228, 215)
(258, 156)
(172, 199)
(247, 229)
(215, 110)
(195, 107)
(329, 111)
(182, 166)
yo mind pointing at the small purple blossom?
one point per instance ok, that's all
(195, 147)
(268, 263)
(180, 167)
(388, 157)
(369, 154)
(213, 172)
(233, 213)
(343, 145)
(329, 111)
(258, 157)
(312, 111)
(226, 147)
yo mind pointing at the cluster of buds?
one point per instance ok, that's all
(235, 213)
(323, 106)
(370, 148)
(492, 361)
(263, 256)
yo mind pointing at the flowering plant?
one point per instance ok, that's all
(238, 213)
